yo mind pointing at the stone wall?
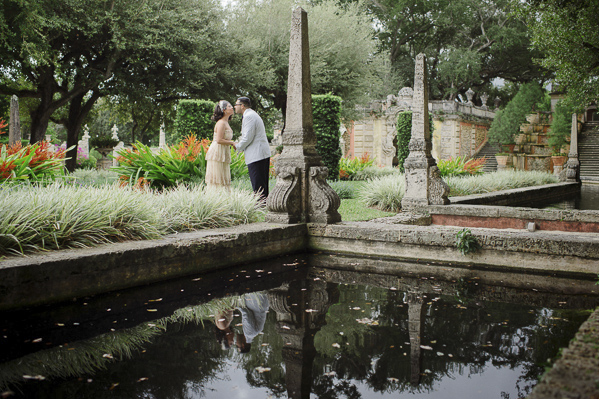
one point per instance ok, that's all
(460, 129)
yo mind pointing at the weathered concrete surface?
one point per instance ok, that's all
(546, 193)
(60, 275)
(576, 373)
(512, 250)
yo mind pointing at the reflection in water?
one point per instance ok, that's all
(323, 336)
(588, 199)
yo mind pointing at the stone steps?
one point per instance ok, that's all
(488, 151)
(588, 151)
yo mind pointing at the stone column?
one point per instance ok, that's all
(301, 194)
(162, 137)
(424, 186)
(573, 165)
(14, 127)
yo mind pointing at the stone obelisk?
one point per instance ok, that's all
(302, 194)
(424, 185)
(14, 127)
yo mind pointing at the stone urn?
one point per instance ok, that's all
(104, 163)
(503, 161)
(558, 160)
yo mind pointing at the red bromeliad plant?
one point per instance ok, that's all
(35, 162)
(348, 167)
(3, 125)
(460, 167)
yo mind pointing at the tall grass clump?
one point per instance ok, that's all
(93, 177)
(196, 208)
(496, 181)
(372, 172)
(59, 215)
(385, 192)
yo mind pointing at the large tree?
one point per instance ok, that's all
(69, 53)
(342, 49)
(469, 43)
(567, 32)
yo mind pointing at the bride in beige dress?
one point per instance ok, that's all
(218, 157)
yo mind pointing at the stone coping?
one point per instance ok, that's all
(517, 196)
(576, 373)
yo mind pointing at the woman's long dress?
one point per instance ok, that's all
(218, 165)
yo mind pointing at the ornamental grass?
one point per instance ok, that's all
(386, 193)
(58, 216)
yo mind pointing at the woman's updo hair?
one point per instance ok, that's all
(219, 110)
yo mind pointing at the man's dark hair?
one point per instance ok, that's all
(245, 101)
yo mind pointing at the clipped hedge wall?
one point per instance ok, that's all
(326, 113)
(193, 117)
(404, 134)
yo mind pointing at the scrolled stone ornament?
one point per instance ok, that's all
(324, 201)
(284, 202)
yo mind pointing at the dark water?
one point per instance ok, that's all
(588, 199)
(422, 333)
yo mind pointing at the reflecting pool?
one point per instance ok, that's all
(304, 326)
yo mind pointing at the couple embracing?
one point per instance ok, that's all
(253, 143)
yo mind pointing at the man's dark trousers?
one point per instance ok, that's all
(259, 176)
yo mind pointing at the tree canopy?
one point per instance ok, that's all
(566, 32)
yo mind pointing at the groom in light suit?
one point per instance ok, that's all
(254, 144)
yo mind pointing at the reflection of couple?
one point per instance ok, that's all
(253, 143)
(253, 317)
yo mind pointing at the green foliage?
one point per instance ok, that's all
(384, 193)
(93, 177)
(353, 210)
(193, 117)
(561, 127)
(326, 111)
(32, 163)
(102, 141)
(466, 242)
(502, 180)
(58, 216)
(372, 172)
(404, 134)
(345, 189)
(507, 121)
(566, 33)
(350, 167)
(460, 166)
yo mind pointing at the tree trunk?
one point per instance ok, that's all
(78, 110)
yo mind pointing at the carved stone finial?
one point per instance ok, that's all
(424, 186)
(301, 194)
(470, 95)
(484, 97)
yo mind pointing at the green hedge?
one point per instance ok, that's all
(326, 111)
(506, 123)
(193, 117)
(404, 133)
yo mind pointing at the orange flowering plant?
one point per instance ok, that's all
(35, 162)
(348, 167)
(182, 163)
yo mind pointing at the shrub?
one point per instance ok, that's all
(348, 167)
(466, 242)
(460, 167)
(385, 192)
(193, 118)
(506, 123)
(561, 127)
(34, 163)
(326, 110)
(181, 163)
(344, 189)
(404, 134)
(102, 141)
(372, 172)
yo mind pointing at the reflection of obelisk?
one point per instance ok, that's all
(302, 193)
(301, 308)
(415, 327)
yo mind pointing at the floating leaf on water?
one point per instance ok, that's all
(60, 324)
(265, 344)
(261, 369)
(108, 356)
(259, 271)
(440, 354)
(311, 310)
(155, 300)
(142, 379)
(393, 289)
(330, 374)
(336, 345)
(356, 308)
(428, 348)
(34, 377)
(197, 279)
(152, 310)
(427, 371)
(114, 385)
(433, 342)
(35, 341)
(391, 379)
(287, 327)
